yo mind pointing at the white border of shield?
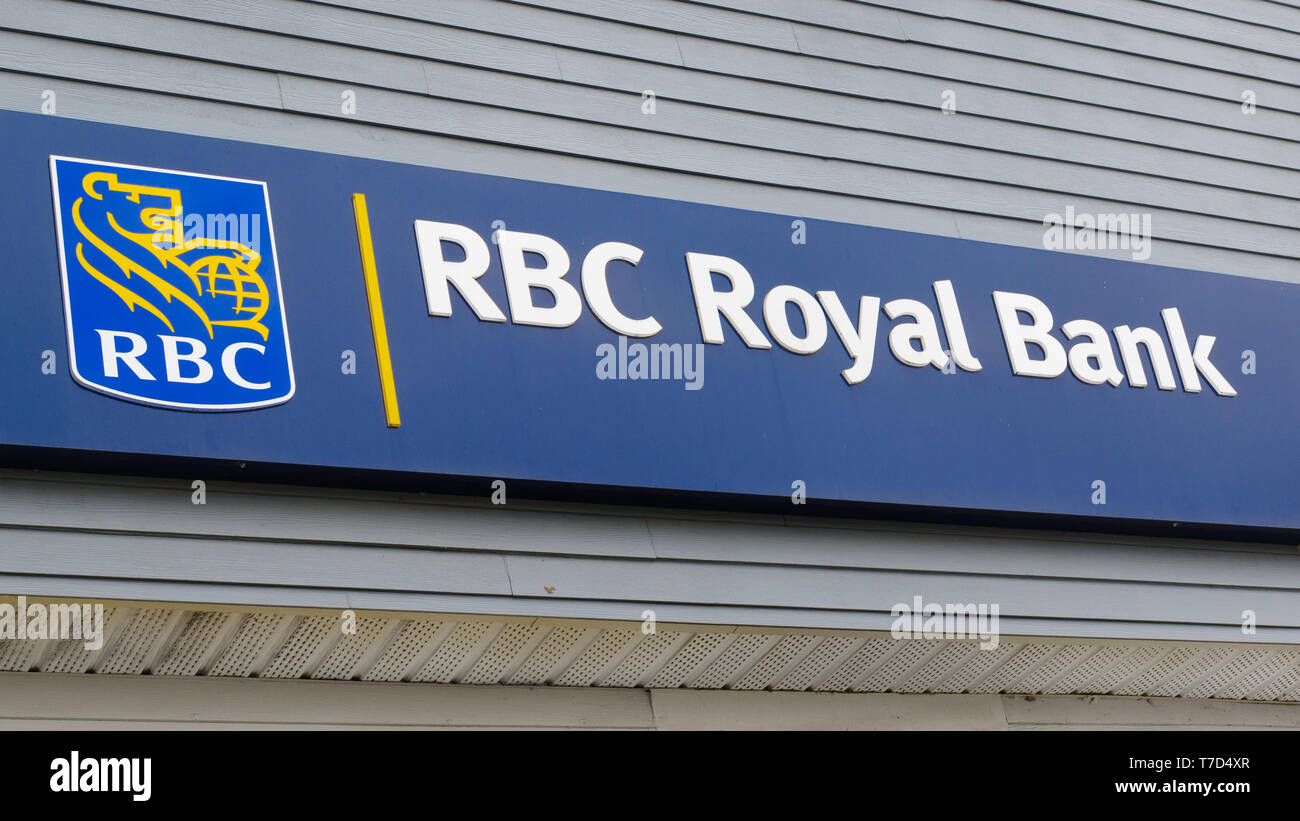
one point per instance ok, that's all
(67, 305)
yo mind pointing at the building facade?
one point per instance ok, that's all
(237, 592)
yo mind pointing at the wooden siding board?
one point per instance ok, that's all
(1138, 109)
(225, 120)
(358, 523)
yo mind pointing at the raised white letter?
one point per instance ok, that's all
(924, 329)
(1098, 347)
(596, 287)
(860, 343)
(1128, 339)
(232, 373)
(520, 280)
(953, 327)
(108, 346)
(437, 271)
(1189, 361)
(711, 306)
(172, 359)
(1040, 333)
(814, 320)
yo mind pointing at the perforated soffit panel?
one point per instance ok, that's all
(175, 640)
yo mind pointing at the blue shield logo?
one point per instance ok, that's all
(171, 287)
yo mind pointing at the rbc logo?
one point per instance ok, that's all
(171, 287)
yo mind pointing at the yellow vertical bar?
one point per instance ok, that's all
(377, 325)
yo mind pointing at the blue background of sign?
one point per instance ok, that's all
(493, 400)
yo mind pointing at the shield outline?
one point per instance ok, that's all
(67, 303)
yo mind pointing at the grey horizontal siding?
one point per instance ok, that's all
(886, 47)
(234, 121)
(201, 41)
(844, 589)
(1255, 30)
(1020, 33)
(719, 113)
(162, 73)
(734, 131)
(1021, 37)
(1049, 102)
(802, 170)
(410, 551)
(124, 506)
(283, 515)
(1126, 29)
(46, 552)
(1256, 12)
(201, 593)
(994, 88)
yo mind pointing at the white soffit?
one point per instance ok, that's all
(179, 640)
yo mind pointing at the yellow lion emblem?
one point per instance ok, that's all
(228, 284)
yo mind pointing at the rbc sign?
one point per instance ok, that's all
(171, 287)
(827, 360)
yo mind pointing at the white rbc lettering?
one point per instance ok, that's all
(125, 348)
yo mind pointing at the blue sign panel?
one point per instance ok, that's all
(454, 324)
(161, 269)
